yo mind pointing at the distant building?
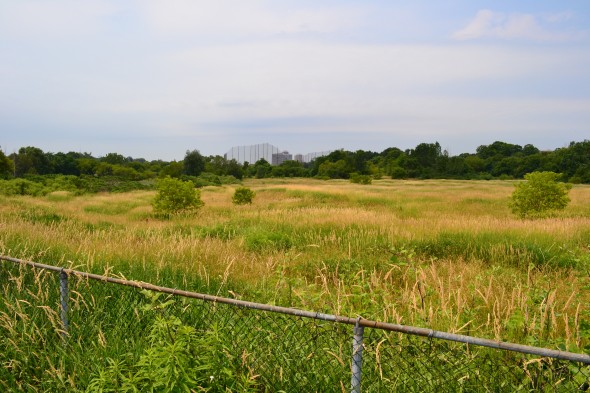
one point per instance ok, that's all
(279, 158)
(251, 153)
(268, 152)
(312, 156)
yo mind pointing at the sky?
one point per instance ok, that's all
(153, 79)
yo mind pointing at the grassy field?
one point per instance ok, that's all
(442, 254)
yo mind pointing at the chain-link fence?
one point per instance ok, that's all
(272, 348)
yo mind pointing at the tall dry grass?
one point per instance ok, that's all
(442, 254)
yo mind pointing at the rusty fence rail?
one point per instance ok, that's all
(386, 357)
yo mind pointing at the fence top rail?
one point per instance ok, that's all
(417, 331)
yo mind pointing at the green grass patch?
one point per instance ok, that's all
(225, 231)
(42, 216)
(497, 248)
(111, 209)
(261, 239)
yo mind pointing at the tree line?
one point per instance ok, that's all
(499, 160)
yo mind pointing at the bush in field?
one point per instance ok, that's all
(540, 195)
(243, 196)
(360, 179)
(176, 196)
(22, 187)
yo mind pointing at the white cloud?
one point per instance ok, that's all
(53, 19)
(226, 17)
(345, 87)
(490, 24)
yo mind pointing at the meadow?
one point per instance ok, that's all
(442, 254)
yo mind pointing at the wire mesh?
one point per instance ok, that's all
(276, 352)
(395, 362)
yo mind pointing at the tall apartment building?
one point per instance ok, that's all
(279, 158)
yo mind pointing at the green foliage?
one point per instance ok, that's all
(425, 161)
(260, 169)
(540, 196)
(6, 166)
(31, 160)
(360, 179)
(209, 179)
(289, 168)
(193, 163)
(21, 187)
(173, 169)
(243, 196)
(178, 359)
(334, 170)
(259, 239)
(176, 196)
(113, 159)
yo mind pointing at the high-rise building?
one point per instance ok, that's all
(268, 152)
(251, 153)
(279, 158)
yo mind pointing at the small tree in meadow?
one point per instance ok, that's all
(176, 196)
(243, 196)
(540, 195)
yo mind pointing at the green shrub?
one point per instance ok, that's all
(540, 195)
(22, 187)
(397, 172)
(176, 196)
(243, 196)
(360, 179)
(179, 359)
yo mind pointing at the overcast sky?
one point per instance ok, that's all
(153, 79)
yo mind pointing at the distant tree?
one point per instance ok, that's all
(574, 161)
(334, 170)
(173, 169)
(260, 169)
(233, 168)
(6, 166)
(125, 172)
(397, 172)
(498, 148)
(457, 167)
(529, 150)
(194, 163)
(31, 161)
(65, 164)
(114, 159)
(289, 168)
(104, 169)
(86, 165)
(391, 153)
(216, 165)
(540, 195)
(426, 154)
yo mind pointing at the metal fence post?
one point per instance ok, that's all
(357, 357)
(63, 298)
